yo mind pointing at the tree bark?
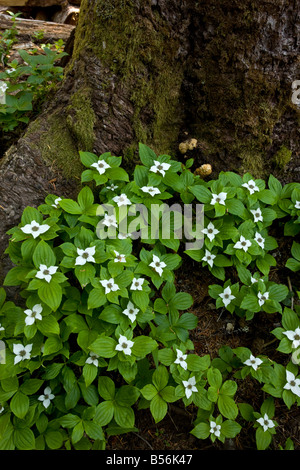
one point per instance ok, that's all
(159, 72)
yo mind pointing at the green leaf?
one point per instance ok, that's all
(158, 408)
(214, 377)
(227, 407)
(142, 346)
(124, 416)
(201, 431)
(48, 326)
(19, 404)
(70, 206)
(160, 377)
(202, 193)
(147, 155)
(52, 345)
(230, 428)
(104, 346)
(43, 254)
(181, 301)
(93, 430)
(54, 439)
(51, 294)
(263, 439)
(24, 439)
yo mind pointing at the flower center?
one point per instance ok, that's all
(189, 386)
(100, 165)
(35, 228)
(22, 353)
(210, 230)
(124, 345)
(257, 214)
(159, 167)
(109, 285)
(226, 296)
(243, 243)
(297, 337)
(46, 397)
(251, 186)
(136, 284)
(292, 383)
(46, 272)
(85, 255)
(266, 422)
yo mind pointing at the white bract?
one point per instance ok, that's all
(1, 327)
(150, 190)
(293, 336)
(257, 215)
(160, 167)
(124, 345)
(259, 240)
(57, 200)
(21, 352)
(109, 285)
(210, 231)
(253, 362)
(227, 296)
(119, 258)
(266, 422)
(157, 265)
(122, 200)
(181, 359)
(112, 187)
(292, 384)
(3, 87)
(47, 397)
(242, 244)
(137, 284)
(209, 258)
(215, 428)
(85, 256)
(110, 220)
(101, 166)
(262, 298)
(123, 236)
(220, 198)
(46, 272)
(251, 186)
(34, 314)
(131, 312)
(297, 205)
(189, 386)
(35, 229)
(92, 359)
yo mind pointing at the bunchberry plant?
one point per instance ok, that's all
(103, 330)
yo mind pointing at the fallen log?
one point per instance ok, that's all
(27, 28)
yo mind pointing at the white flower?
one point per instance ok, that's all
(45, 272)
(137, 284)
(112, 187)
(3, 87)
(253, 362)
(220, 198)
(1, 328)
(101, 166)
(210, 231)
(1, 408)
(9, 71)
(251, 186)
(257, 215)
(21, 352)
(209, 258)
(35, 229)
(47, 397)
(34, 314)
(124, 345)
(189, 386)
(131, 312)
(262, 298)
(226, 296)
(110, 220)
(122, 200)
(266, 422)
(215, 428)
(109, 285)
(157, 265)
(259, 240)
(297, 205)
(119, 258)
(160, 167)
(85, 256)
(123, 236)
(242, 244)
(150, 190)
(292, 384)
(293, 336)
(181, 359)
(93, 359)
(253, 280)
(56, 202)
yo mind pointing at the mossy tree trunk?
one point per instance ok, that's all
(159, 71)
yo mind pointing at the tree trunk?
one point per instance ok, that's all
(160, 71)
